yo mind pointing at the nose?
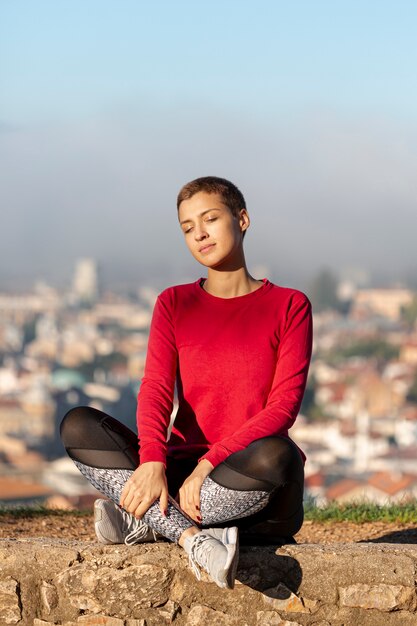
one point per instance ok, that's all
(199, 233)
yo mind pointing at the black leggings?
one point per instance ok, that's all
(268, 475)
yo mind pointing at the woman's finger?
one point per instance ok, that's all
(140, 510)
(184, 500)
(132, 504)
(129, 489)
(189, 506)
(195, 496)
(125, 491)
(131, 494)
(163, 502)
(196, 503)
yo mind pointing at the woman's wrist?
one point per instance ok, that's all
(204, 467)
(153, 463)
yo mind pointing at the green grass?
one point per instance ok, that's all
(362, 512)
(334, 512)
(39, 511)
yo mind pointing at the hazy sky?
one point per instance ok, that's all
(108, 107)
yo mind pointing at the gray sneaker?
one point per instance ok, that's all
(216, 550)
(217, 533)
(115, 525)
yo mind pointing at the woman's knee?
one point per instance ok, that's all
(275, 459)
(79, 426)
(86, 428)
(99, 440)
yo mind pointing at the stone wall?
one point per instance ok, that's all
(44, 582)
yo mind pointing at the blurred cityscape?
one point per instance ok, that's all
(358, 422)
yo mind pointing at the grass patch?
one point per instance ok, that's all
(20, 511)
(359, 512)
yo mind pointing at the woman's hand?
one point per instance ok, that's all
(189, 494)
(147, 484)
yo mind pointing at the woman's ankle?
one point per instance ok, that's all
(192, 530)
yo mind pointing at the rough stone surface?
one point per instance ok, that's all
(282, 599)
(270, 618)
(69, 583)
(99, 620)
(100, 588)
(49, 597)
(169, 610)
(381, 597)
(10, 612)
(344, 564)
(204, 615)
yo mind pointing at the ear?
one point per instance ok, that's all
(244, 221)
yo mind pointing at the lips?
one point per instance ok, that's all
(206, 248)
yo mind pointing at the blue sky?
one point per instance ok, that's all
(72, 58)
(108, 107)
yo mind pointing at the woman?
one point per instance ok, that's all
(238, 350)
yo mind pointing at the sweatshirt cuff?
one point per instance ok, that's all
(152, 453)
(216, 455)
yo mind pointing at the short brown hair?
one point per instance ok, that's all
(230, 194)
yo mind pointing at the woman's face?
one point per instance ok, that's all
(212, 233)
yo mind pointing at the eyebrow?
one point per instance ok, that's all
(200, 215)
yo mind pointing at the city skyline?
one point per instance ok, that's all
(58, 350)
(112, 278)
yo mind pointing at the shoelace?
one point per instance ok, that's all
(137, 529)
(199, 553)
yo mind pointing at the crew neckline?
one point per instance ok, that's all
(247, 296)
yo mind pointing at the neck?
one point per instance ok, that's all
(230, 284)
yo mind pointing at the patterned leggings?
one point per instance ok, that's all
(262, 482)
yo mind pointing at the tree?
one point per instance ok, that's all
(309, 408)
(369, 348)
(323, 292)
(409, 313)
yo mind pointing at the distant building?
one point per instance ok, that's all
(380, 488)
(19, 491)
(29, 416)
(20, 307)
(408, 352)
(385, 302)
(85, 283)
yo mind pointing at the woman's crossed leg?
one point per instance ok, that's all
(260, 488)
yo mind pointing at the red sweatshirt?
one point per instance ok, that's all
(240, 365)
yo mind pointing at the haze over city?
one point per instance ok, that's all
(108, 108)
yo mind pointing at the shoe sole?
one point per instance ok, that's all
(98, 516)
(231, 542)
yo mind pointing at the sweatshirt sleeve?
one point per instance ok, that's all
(155, 399)
(288, 385)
